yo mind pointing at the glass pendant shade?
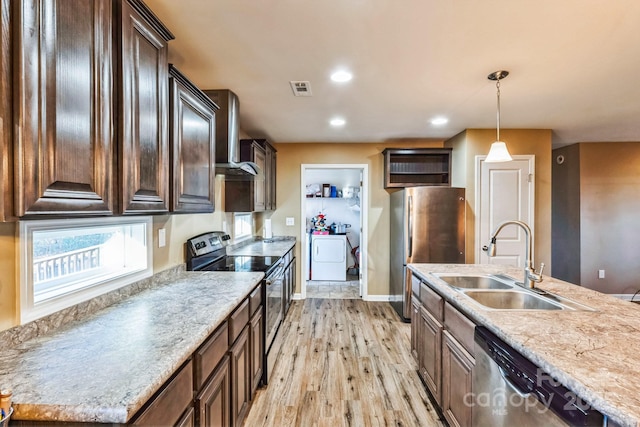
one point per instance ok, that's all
(498, 153)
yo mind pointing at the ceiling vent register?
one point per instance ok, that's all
(301, 88)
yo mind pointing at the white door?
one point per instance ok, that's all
(504, 191)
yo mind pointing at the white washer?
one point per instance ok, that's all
(329, 257)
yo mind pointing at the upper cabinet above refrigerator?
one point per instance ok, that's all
(417, 166)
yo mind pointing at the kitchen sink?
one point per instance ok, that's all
(475, 282)
(512, 300)
(500, 292)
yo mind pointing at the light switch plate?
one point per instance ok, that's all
(162, 238)
(290, 221)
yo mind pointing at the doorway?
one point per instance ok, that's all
(334, 200)
(504, 191)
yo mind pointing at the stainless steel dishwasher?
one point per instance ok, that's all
(510, 390)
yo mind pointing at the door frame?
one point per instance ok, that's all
(364, 228)
(531, 158)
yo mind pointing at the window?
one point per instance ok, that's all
(242, 226)
(65, 262)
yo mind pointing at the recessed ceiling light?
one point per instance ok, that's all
(337, 122)
(439, 121)
(341, 76)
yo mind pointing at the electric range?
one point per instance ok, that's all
(208, 252)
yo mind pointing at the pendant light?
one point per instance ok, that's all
(498, 152)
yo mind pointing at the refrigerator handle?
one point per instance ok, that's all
(410, 226)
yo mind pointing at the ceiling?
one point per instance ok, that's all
(574, 65)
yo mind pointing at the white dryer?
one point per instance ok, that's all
(329, 257)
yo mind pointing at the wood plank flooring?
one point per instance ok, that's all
(344, 363)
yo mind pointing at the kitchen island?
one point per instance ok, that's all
(103, 368)
(594, 353)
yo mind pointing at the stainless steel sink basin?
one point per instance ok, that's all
(512, 300)
(501, 292)
(474, 282)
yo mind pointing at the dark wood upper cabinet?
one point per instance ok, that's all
(269, 174)
(63, 107)
(254, 194)
(143, 98)
(6, 141)
(193, 131)
(417, 166)
(247, 194)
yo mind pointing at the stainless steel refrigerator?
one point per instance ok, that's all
(427, 226)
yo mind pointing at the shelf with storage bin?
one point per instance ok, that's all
(417, 166)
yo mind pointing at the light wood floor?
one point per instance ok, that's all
(344, 363)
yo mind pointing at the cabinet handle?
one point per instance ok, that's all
(410, 215)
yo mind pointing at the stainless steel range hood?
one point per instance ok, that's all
(228, 137)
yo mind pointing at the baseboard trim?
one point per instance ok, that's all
(378, 298)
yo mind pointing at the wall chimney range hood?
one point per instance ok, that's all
(228, 137)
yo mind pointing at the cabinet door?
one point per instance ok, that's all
(430, 353)
(259, 186)
(415, 326)
(167, 407)
(240, 378)
(192, 146)
(457, 382)
(213, 403)
(291, 285)
(256, 338)
(144, 111)
(188, 419)
(6, 118)
(64, 148)
(270, 177)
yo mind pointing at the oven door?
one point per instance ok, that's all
(274, 291)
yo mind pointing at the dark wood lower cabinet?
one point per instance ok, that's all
(256, 338)
(442, 342)
(241, 378)
(213, 403)
(430, 351)
(457, 382)
(415, 323)
(167, 407)
(188, 419)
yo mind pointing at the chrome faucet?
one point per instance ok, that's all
(530, 275)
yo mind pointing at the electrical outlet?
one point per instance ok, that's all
(290, 221)
(162, 238)
(600, 274)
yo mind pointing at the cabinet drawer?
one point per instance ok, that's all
(238, 320)
(255, 299)
(210, 354)
(167, 407)
(431, 301)
(460, 327)
(415, 283)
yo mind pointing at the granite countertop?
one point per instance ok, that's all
(277, 246)
(105, 367)
(593, 353)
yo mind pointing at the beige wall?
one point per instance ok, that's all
(610, 207)
(178, 229)
(8, 277)
(473, 142)
(291, 156)
(605, 191)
